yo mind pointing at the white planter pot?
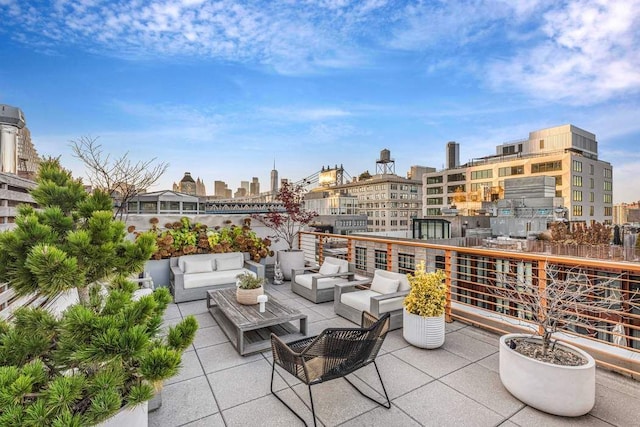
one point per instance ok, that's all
(568, 391)
(137, 416)
(290, 260)
(423, 332)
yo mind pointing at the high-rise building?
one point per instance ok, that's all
(453, 155)
(17, 153)
(220, 190)
(201, 190)
(187, 185)
(274, 180)
(567, 153)
(254, 187)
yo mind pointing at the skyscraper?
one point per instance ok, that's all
(274, 180)
(453, 155)
(17, 153)
(254, 187)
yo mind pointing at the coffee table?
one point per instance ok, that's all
(249, 330)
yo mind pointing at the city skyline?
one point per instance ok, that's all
(220, 89)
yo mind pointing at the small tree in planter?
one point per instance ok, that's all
(287, 223)
(570, 297)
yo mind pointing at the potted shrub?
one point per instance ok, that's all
(101, 356)
(423, 313)
(286, 223)
(549, 375)
(249, 287)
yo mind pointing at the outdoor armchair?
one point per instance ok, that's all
(384, 293)
(335, 353)
(316, 285)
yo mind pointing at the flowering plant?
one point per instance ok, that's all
(428, 294)
(286, 225)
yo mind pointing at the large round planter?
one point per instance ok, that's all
(423, 332)
(290, 260)
(568, 391)
(248, 296)
(138, 416)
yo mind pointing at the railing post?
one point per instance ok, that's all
(389, 256)
(320, 248)
(542, 291)
(447, 282)
(350, 250)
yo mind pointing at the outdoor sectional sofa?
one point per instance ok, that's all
(191, 276)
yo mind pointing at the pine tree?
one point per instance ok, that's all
(71, 242)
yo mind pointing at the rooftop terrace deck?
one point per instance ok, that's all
(456, 385)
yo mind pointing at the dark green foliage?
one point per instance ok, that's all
(160, 363)
(179, 335)
(140, 393)
(103, 404)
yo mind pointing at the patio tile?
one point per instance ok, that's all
(336, 401)
(382, 417)
(222, 356)
(530, 417)
(325, 309)
(206, 337)
(205, 320)
(167, 323)
(244, 383)
(312, 316)
(399, 377)
(193, 307)
(435, 363)
(618, 381)
(454, 326)
(184, 402)
(616, 406)
(394, 341)
(269, 412)
(508, 424)
(481, 335)
(190, 368)
(171, 312)
(210, 421)
(483, 386)
(465, 346)
(316, 327)
(436, 404)
(491, 362)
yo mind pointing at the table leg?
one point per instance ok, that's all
(303, 326)
(240, 341)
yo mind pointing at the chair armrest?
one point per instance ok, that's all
(256, 267)
(376, 300)
(176, 277)
(314, 280)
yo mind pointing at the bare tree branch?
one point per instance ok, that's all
(120, 177)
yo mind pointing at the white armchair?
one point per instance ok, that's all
(385, 295)
(316, 285)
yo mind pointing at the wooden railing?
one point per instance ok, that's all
(475, 277)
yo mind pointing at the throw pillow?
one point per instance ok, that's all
(234, 263)
(383, 285)
(327, 268)
(198, 266)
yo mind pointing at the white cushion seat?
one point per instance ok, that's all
(324, 283)
(213, 278)
(361, 301)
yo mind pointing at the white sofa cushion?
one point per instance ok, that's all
(229, 263)
(384, 285)
(324, 283)
(402, 278)
(197, 257)
(197, 266)
(327, 268)
(224, 277)
(361, 301)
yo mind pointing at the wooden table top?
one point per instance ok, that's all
(248, 317)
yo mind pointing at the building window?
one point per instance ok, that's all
(607, 186)
(475, 186)
(546, 167)
(404, 222)
(591, 210)
(433, 211)
(591, 183)
(394, 222)
(511, 170)
(457, 177)
(434, 190)
(607, 173)
(406, 263)
(577, 210)
(591, 197)
(149, 206)
(434, 179)
(434, 200)
(455, 188)
(577, 166)
(483, 174)
(542, 144)
(558, 193)
(361, 258)
(591, 169)
(380, 259)
(577, 181)
(608, 198)
(608, 211)
(558, 180)
(577, 195)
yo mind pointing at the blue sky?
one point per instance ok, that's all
(221, 88)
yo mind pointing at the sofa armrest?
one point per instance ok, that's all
(376, 300)
(343, 288)
(176, 278)
(314, 280)
(256, 267)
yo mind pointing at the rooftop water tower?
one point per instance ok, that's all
(386, 165)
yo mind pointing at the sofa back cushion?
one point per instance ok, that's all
(328, 268)
(230, 262)
(384, 285)
(196, 257)
(341, 263)
(400, 277)
(197, 266)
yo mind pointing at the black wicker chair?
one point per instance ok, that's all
(335, 353)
